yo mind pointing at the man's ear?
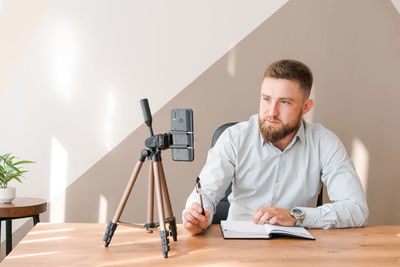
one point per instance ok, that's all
(307, 106)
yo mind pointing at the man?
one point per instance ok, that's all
(277, 161)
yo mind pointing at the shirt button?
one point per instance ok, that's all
(279, 178)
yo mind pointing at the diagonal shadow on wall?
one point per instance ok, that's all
(352, 48)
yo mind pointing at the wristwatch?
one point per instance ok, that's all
(298, 214)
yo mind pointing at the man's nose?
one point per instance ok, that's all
(273, 110)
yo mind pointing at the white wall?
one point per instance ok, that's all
(72, 74)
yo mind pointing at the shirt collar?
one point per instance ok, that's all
(301, 132)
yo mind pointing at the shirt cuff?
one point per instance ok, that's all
(319, 217)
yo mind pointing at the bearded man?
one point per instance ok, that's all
(277, 163)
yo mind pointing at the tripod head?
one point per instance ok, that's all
(180, 139)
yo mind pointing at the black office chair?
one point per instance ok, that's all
(221, 211)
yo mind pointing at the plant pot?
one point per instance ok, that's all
(7, 194)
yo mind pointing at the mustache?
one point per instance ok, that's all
(273, 119)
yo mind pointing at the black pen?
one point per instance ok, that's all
(198, 190)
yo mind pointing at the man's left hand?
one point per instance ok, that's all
(273, 215)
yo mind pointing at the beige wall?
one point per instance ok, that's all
(352, 48)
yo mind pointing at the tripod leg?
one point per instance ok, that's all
(112, 225)
(167, 201)
(150, 200)
(161, 217)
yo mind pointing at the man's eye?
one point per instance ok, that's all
(266, 99)
(285, 102)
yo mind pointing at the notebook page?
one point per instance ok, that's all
(243, 229)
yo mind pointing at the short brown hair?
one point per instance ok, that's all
(293, 70)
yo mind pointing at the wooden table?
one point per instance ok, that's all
(20, 208)
(81, 244)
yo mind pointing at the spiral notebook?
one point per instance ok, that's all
(250, 230)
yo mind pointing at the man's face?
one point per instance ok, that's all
(282, 106)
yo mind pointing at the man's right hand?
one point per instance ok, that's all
(193, 220)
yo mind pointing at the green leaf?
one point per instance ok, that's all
(12, 175)
(16, 178)
(23, 162)
(11, 168)
(5, 156)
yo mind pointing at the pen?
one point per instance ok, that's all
(198, 190)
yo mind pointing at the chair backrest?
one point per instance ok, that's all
(219, 131)
(221, 211)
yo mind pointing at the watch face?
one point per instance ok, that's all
(297, 212)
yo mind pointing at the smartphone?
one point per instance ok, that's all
(182, 135)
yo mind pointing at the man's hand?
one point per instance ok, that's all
(273, 215)
(193, 220)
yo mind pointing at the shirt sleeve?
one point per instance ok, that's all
(216, 174)
(349, 206)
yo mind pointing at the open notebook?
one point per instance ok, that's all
(248, 229)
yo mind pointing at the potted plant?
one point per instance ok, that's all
(10, 170)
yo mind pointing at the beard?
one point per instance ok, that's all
(272, 133)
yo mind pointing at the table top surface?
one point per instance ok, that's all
(23, 206)
(81, 244)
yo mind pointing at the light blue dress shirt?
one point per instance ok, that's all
(263, 175)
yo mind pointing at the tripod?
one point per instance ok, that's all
(156, 177)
